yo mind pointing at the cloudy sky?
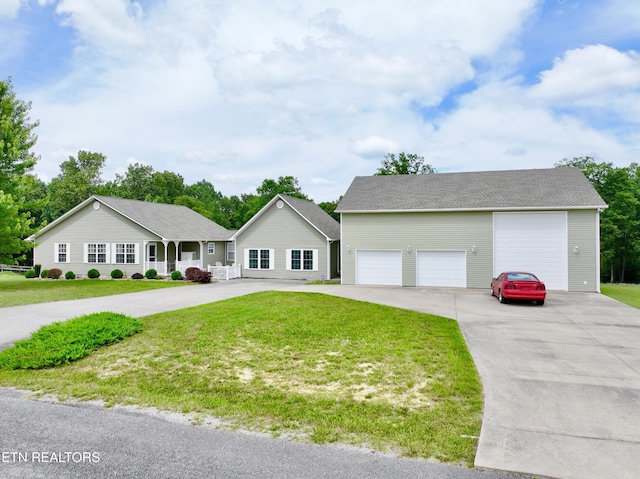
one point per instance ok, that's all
(238, 91)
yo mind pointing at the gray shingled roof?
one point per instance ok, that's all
(553, 188)
(171, 222)
(316, 216)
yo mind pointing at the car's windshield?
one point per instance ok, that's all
(521, 277)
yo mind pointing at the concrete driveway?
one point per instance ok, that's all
(561, 381)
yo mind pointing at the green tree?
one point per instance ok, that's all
(136, 182)
(404, 164)
(619, 187)
(17, 137)
(166, 186)
(14, 227)
(79, 178)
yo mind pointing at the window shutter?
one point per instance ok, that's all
(246, 258)
(288, 260)
(315, 260)
(85, 252)
(137, 253)
(108, 254)
(272, 259)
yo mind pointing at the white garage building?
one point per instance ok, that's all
(461, 229)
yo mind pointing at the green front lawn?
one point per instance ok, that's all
(16, 290)
(625, 293)
(308, 366)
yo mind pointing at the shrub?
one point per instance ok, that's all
(70, 275)
(197, 275)
(43, 273)
(67, 341)
(30, 274)
(137, 276)
(54, 273)
(189, 272)
(151, 274)
(176, 275)
(37, 268)
(117, 274)
(93, 273)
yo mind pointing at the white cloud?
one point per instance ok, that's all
(9, 8)
(590, 71)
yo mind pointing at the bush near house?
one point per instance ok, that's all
(30, 274)
(37, 268)
(93, 273)
(151, 274)
(70, 275)
(197, 275)
(137, 276)
(54, 273)
(117, 274)
(176, 276)
(43, 273)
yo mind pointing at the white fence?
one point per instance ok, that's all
(225, 272)
(15, 269)
(188, 263)
(159, 266)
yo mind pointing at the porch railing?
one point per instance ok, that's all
(225, 272)
(188, 263)
(159, 266)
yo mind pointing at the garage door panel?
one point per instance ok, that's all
(442, 268)
(535, 242)
(380, 267)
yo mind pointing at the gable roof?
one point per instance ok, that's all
(170, 222)
(308, 211)
(552, 188)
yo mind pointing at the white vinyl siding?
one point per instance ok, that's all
(302, 260)
(379, 267)
(532, 242)
(62, 252)
(442, 268)
(259, 258)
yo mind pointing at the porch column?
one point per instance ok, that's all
(201, 254)
(177, 245)
(145, 256)
(166, 256)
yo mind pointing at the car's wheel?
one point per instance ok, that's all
(540, 302)
(501, 298)
(491, 291)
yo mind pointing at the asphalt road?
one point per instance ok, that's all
(48, 439)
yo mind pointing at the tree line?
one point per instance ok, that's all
(27, 203)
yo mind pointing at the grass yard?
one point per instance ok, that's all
(15, 289)
(625, 293)
(309, 366)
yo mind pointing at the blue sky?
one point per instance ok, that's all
(236, 92)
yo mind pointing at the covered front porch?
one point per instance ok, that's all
(168, 256)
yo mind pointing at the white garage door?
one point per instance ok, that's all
(379, 267)
(534, 242)
(442, 268)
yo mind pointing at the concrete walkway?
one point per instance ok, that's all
(561, 381)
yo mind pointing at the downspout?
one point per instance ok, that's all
(598, 259)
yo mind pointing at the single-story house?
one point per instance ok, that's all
(462, 229)
(289, 238)
(106, 233)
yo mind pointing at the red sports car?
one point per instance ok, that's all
(518, 285)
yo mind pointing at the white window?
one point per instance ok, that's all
(125, 253)
(211, 248)
(302, 259)
(231, 252)
(256, 258)
(96, 253)
(62, 253)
